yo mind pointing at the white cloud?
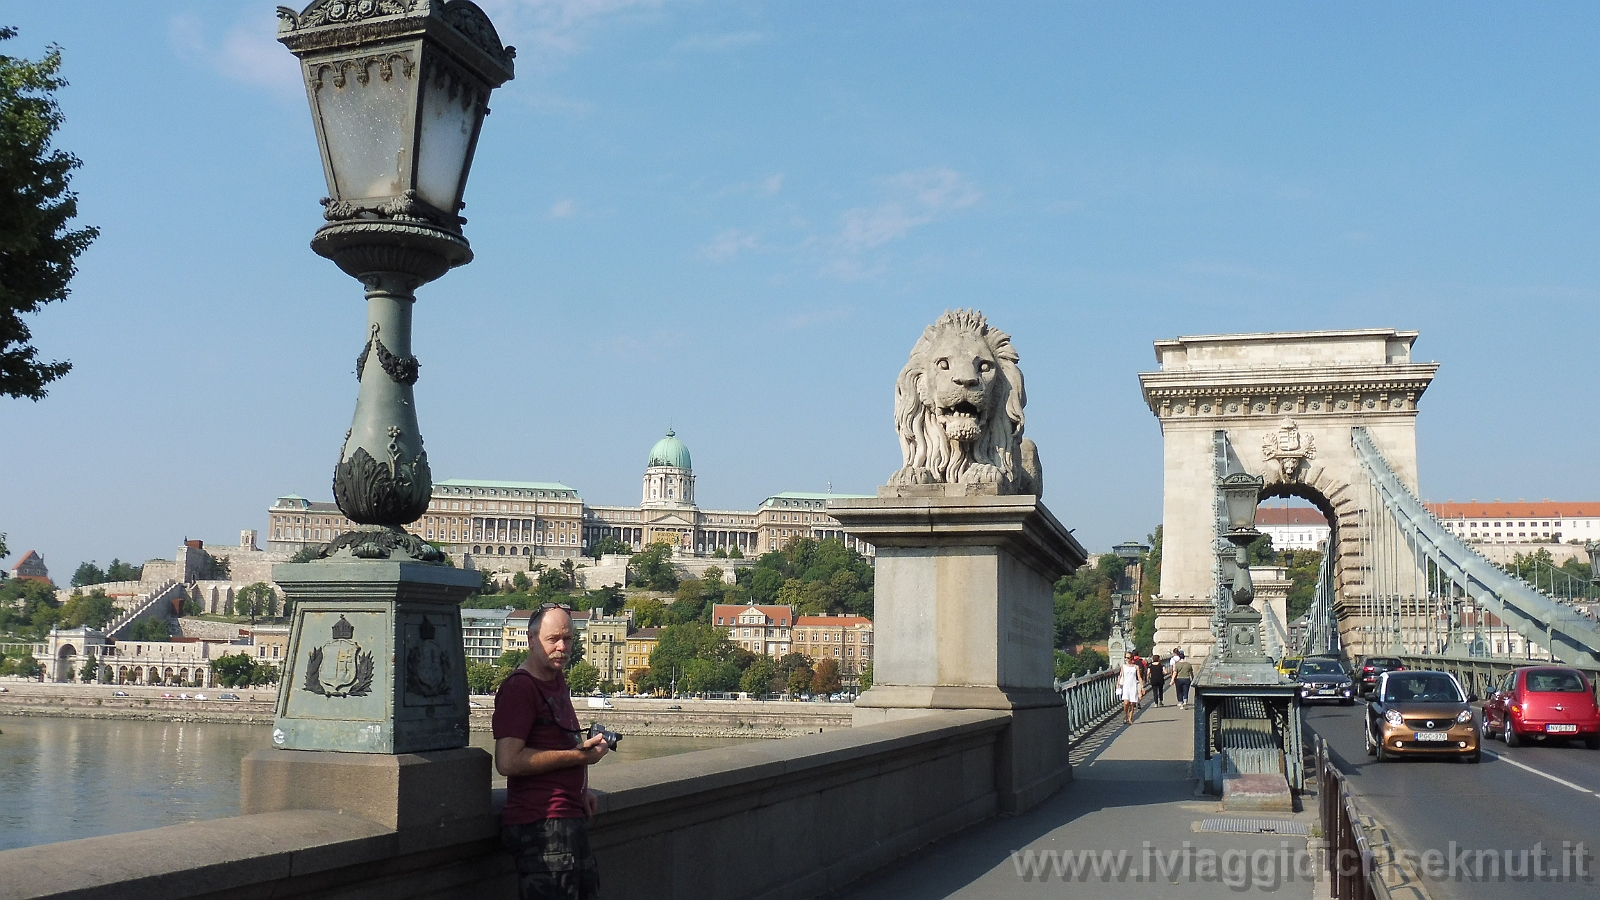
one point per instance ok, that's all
(916, 198)
(769, 186)
(562, 209)
(248, 52)
(541, 29)
(729, 244)
(711, 43)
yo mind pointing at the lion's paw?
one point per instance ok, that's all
(912, 475)
(982, 473)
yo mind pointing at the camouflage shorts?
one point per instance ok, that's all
(553, 859)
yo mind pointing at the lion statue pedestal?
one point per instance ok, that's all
(967, 557)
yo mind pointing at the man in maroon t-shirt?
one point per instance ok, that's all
(542, 752)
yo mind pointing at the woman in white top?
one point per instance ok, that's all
(1128, 688)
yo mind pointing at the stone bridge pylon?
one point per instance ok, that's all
(1286, 403)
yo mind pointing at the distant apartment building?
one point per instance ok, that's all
(605, 646)
(1293, 528)
(1544, 522)
(845, 639)
(483, 634)
(268, 643)
(759, 629)
(511, 525)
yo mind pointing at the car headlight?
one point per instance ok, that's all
(1393, 717)
(1464, 716)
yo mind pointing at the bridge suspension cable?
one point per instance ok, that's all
(1417, 570)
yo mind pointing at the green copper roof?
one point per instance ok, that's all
(669, 451)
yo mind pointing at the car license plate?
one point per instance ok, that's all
(1432, 736)
(1561, 728)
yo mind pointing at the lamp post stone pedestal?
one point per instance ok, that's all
(372, 709)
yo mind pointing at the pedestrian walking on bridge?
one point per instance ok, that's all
(1157, 674)
(1129, 687)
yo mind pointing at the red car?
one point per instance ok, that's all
(1543, 702)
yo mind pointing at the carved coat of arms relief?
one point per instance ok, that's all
(1289, 448)
(341, 667)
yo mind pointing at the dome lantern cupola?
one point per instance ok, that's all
(669, 451)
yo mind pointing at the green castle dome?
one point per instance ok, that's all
(669, 451)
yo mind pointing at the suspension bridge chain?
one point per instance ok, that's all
(1569, 636)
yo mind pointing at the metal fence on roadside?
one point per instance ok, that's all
(1351, 866)
(1090, 700)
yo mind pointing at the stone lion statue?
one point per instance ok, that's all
(958, 410)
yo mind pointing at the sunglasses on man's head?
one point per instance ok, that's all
(546, 606)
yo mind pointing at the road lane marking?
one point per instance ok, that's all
(1527, 768)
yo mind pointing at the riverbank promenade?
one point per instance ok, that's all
(1126, 827)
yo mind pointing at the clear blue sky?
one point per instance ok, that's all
(736, 218)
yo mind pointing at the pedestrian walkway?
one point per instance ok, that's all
(1128, 826)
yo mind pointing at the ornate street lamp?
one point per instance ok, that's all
(1241, 492)
(398, 91)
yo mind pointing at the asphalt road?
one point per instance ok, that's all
(1515, 799)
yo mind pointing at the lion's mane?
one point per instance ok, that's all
(998, 454)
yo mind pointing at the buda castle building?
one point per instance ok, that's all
(518, 523)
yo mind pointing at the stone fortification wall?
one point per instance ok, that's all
(209, 631)
(157, 571)
(247, 566)
(611, 570)
(664, 829)
(123, 591)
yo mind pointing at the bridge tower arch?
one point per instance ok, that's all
(1285, 403)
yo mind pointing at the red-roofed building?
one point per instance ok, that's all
(845, 639)
(31, 568)
(759, 629)
(1544, 522)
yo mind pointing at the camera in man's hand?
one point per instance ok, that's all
(611, 737)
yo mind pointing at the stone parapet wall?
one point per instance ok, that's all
(695, 718)
(246, 566)
(207, 630)
(824, 809)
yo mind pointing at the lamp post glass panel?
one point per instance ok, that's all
(398, 91)
(1240, 495)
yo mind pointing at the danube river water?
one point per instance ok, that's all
(63, 779)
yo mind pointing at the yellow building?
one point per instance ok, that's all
(641, 643)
